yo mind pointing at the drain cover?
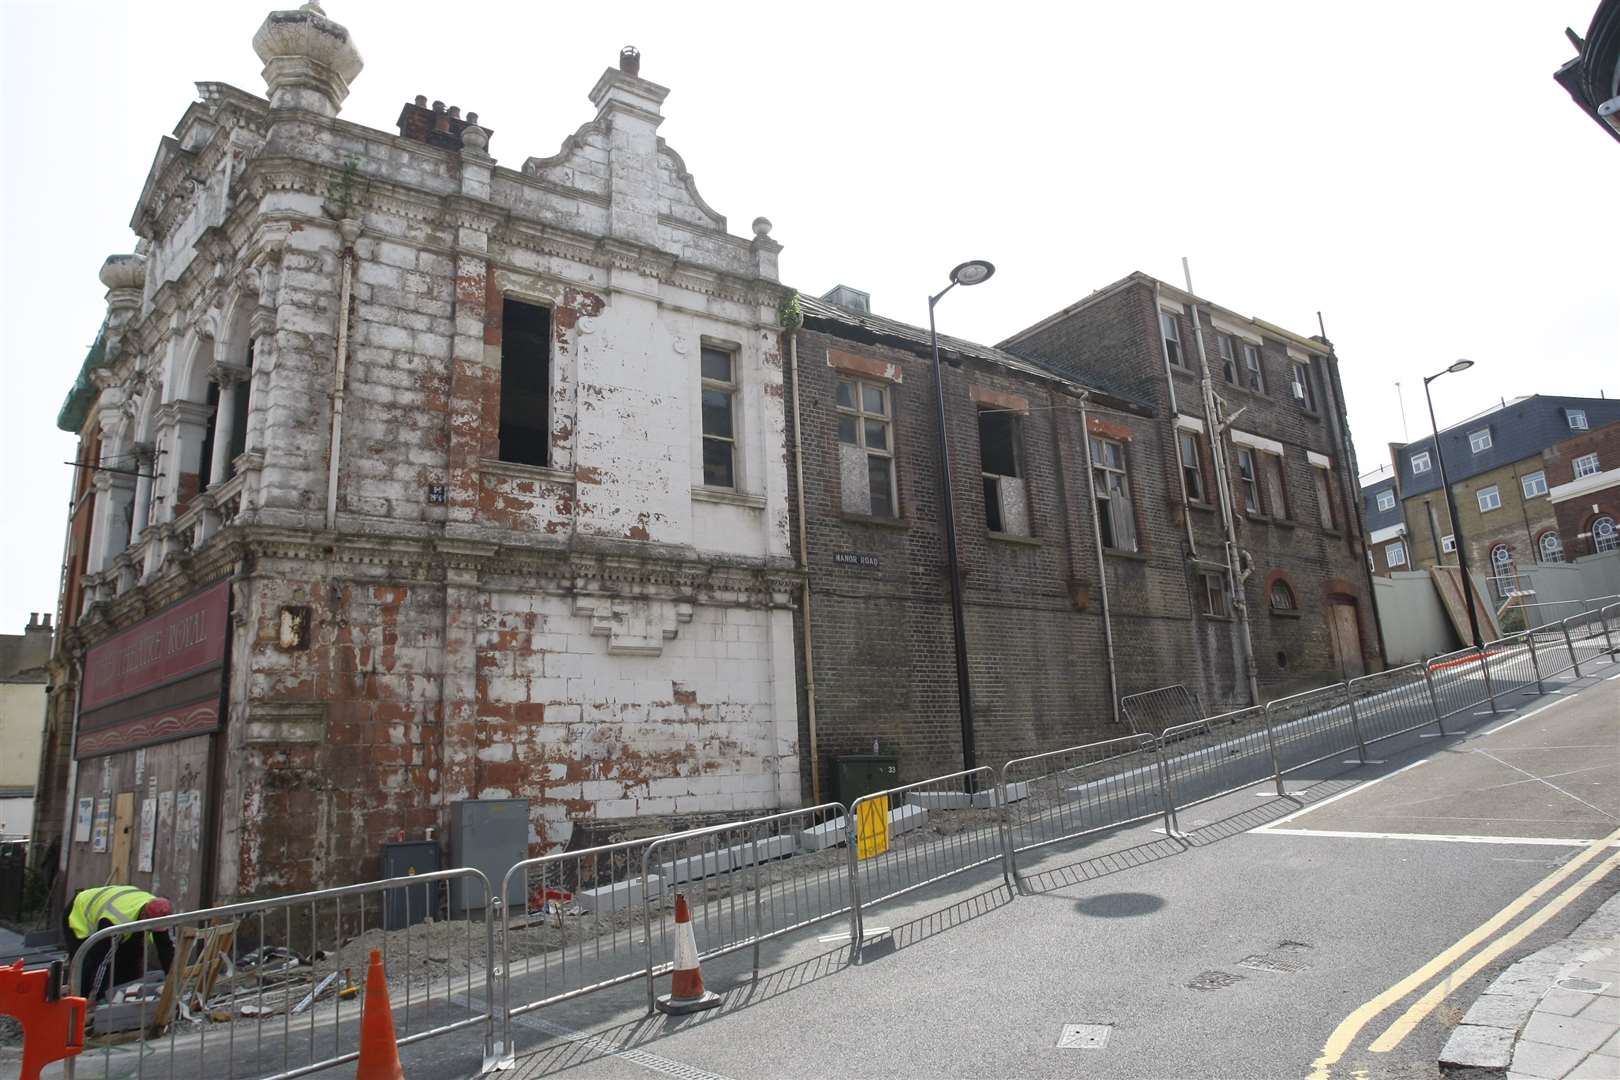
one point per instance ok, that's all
(1214, 980)
(1267, 963)
(1584, 986)
(1084, 1036)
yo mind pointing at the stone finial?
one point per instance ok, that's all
(309, 60)
(762, 227)
(124, 272)
(630, 60)
(475, 139)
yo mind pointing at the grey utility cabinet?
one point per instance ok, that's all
(491, 835)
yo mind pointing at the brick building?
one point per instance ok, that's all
(411, 478)
(1034, 556)
(1528, 481)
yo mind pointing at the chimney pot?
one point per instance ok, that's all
(438, 106)
(45, 620)
(455, 112)
(472, 118)
(421, 101)
(33, 618)
(630, 61)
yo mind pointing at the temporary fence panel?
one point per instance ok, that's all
(1312, 727)
(1152, 711)
(1081, 790)
(1584, 638)
(272, 988)
(1460, 681)
(1206, 759)
(746, 882)
(917, 834)
(1512, 664)
(1393, 702)
(580, 927)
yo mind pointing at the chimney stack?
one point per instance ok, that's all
(437, 126)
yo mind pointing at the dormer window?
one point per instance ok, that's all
(1420, 463)
(1577, 419)
(1479, 441)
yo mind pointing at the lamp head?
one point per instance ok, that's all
(972, 272)
(1460, 365)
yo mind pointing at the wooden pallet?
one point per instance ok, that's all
(200, 955)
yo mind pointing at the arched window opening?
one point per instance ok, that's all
(1550, 547)
(1604, 535)
(1282, 597)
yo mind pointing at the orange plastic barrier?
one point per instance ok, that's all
(52, 1030)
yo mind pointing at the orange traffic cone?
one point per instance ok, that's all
(686, 993)
(379, 1050)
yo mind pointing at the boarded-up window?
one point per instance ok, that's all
(1324, 497)
(525, 434)
(1271, 466)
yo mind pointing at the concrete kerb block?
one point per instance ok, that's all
(902, 819)
(961, 800)
(619, 896)
(1475, 1051)
(693, 867)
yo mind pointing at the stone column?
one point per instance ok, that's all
(143, 457)
(108, 536)
(230, 378)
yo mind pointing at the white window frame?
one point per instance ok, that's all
(861, 417)
(1395, 554)
(1479, 441)
(729, 388)
(1576, 418)
(1587, 465)
(1490, 495)
(1301, 374)
(1550, 547)
(1420, 463)
(1383, 506)
(1448, 543)
(1254, 375)
(1604, 539)
(1534, 485)
(1170, 329)
(1226, 349)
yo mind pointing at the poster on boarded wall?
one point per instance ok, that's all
(82, 818)
(148, 835)
(103, 822)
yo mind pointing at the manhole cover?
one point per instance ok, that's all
(1267, 963)
(1213, 980)
(1084, 1036)
(1584, 986)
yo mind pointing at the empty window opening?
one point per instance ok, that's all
(1249, 482)
(1253, 377)
(1282, 597)
(525, 433)
(1212, 594)
(1005, 505)
(719, 421)
(1228, 354)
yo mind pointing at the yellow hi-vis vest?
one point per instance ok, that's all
(113, 903)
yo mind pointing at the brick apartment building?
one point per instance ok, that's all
(1034, 558)
(418, 479)
(1533, 480)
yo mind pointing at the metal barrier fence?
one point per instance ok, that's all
(1206, 759)
(574, 922)
(916, 834)
(277, 974)
(1394, 702)
(1460, 682)
(737, 889)
(280, 974)
(1311, 727)
(1155, 710)
(1070, 793)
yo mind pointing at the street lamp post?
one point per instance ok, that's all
(1451, 505)
(973, 272)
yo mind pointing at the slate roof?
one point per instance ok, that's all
(1375, 518)
(1521, 429)
(865, 324)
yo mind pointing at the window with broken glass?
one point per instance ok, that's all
(1213, 595)
(1227, 349)
(1253, 376)
(1192, 473)
(719, 419)
(1006, 507)
(866, 448)
(1248, 481)
(1116, 516)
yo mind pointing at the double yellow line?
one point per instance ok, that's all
(1352, 1025)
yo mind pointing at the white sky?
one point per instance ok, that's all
(1409, 169)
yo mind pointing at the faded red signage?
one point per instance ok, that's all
(185, 639)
